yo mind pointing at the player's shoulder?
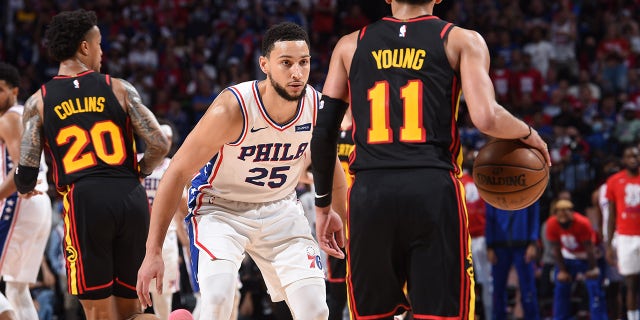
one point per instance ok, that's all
(349, 42)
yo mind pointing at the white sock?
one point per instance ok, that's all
(162, 303)
(633, 314)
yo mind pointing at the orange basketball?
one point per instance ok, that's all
(509, 174)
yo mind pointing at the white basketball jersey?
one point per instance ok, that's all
(152, 181)
(264, 164)
(6, 163)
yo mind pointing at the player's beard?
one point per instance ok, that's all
(283, 92)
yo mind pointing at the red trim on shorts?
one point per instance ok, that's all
(102, 286)
(128, 286)
(195, 239)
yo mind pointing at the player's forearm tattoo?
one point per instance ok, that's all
(147, 128)
(31, 144)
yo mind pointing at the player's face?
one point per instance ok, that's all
(630, 158)
(94, 57)
(7, 95)
(288, 67)
(564, 215)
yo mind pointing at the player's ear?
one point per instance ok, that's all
(263, 64)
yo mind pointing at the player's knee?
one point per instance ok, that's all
(307, 299)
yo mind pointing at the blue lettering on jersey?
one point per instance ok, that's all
(272, 152)
(303, 127)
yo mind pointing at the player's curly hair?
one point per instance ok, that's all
(9, 74)
(285, 31)
(66, 31)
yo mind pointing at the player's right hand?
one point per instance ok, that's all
(152, 267)
(329, 231)
(534, 140)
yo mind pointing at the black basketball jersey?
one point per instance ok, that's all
(87, 133)
(345, 148)
(404, 96)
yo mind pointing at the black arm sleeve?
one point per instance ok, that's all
(25, 178)
(324, 147)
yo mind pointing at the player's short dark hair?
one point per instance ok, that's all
(414, 1)
(66, 31)
(285, 31)
(9, 74)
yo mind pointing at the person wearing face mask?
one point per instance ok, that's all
(573, 243)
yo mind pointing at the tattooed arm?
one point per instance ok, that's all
(144, 123)
(26, 175)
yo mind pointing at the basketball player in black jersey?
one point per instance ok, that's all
(407, 222)
(85, 121)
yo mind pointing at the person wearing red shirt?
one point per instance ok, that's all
(623, 193)
(572, 238)
(476, 213)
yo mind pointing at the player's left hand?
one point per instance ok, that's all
(329, 231)
(152, 267)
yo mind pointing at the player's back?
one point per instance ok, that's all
(404, 96)
(87, 132)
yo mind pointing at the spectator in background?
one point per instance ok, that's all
(526, 80)
(511, 241)
(563, 32)
(627, 128)
(623, 194)
(501, 78)
(539, 49)
(573, 241)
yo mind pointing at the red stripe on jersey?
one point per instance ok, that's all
(428, 17)
(44, 90)
(362, 32)
(108, 79)
(445, 29)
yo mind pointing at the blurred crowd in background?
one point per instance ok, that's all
(568, 68)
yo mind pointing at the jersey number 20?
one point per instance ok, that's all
(77, 158)
(412, 129)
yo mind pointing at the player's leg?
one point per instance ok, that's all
(500, 273)
(289, 259)
(482, 273)
(19, 297)
(377, 262)
(6, 310)
(217, 279)
(527, 282)
(306, 299)
(336, 286)
(629, 267)
(131, 213)
(438, 228)
(561, 298)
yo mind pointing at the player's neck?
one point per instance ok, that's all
(407, 11)
(278, 108)
(72, 67)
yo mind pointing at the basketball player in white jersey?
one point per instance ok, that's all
(163, 301)
(252, 144)
(26, 221)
